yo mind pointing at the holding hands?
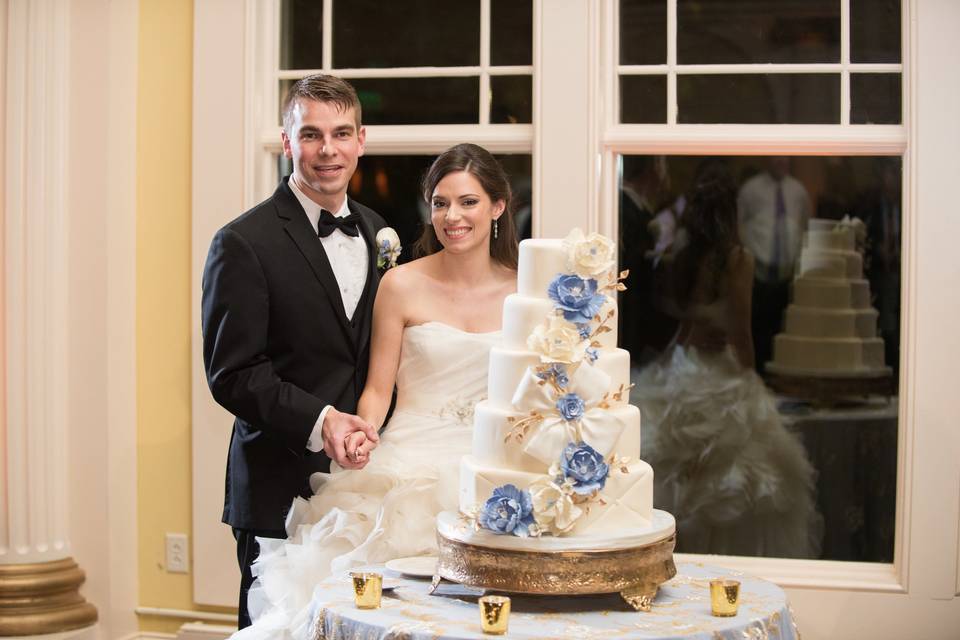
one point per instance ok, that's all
(348, 439)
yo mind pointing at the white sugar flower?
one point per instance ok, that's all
(558, 340)
(592, 256)
(553, 506)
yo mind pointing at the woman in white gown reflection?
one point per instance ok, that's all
(434, 322)
(736, 480)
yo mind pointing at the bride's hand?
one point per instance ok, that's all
(358, 447)
(337, 427)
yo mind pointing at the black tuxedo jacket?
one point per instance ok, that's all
(277, 347)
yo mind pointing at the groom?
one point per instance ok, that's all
(288, 292)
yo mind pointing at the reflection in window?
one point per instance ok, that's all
(747, 31)
(762, 316)
(390, 185)
(412, 33)
(768, 98)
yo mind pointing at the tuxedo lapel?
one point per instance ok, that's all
(298, 227)
(373, 276)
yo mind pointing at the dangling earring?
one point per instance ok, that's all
(495, 228)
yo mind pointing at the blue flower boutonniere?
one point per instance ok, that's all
(388, 248)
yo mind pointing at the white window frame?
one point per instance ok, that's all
(263, 68)
(842, 139)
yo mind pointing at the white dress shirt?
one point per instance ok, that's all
(756, 210)
(348, 259)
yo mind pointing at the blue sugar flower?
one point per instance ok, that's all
(556, 371)
(576, 297)
(585, 331)
(585, 466)
(570, 406)
(509, 510)
(592, 354)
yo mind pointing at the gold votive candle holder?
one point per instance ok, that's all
(724, 597)
(367, 589)
(494, 614)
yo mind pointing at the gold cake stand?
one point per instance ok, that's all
(635, 572)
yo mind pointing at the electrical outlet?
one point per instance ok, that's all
(178, 558)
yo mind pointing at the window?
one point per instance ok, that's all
(758, 127)
(429, 74)
(776, 62)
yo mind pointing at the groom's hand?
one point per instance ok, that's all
(336, 427)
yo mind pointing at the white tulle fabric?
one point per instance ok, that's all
(388, 509)
(724, 465)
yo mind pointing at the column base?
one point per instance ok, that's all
(43, 598)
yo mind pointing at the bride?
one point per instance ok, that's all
(738, 482)
(434, 322)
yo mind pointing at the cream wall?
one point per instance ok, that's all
(163, 148)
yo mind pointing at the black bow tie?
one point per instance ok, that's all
(329, 222)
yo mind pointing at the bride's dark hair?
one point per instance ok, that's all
(479, 163)
(709, 227)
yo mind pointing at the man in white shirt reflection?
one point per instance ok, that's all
(773, 209)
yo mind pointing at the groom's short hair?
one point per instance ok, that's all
(322, 88)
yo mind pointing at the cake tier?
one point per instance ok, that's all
(827, 354)
(837, 239)
(831, 294)
(541, 260)
(627, 496)
(830, 323)
(507, 367)
(845, 265)
(491, 428)
(523, 313)
(455, 526)
(821, 224)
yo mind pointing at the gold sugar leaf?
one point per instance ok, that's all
(621, 286)
(623, 274)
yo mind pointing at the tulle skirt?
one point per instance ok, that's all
(387, 510)
(737, 481)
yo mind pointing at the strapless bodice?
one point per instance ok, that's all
(443, 370)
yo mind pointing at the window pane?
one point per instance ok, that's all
(401, 100)
(754, 273)
(511, 32)
(419, 100)
(752, 31)
(301, 34)
(875, 98)
(413, 33)
(643, 99)
(643, 32)
(512, 100)
(798, 98)
(875, 30)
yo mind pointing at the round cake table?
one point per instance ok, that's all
(681, 610)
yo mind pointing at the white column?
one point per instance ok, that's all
(38, 580)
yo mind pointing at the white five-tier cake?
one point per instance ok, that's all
(554, 497)
(830, 328)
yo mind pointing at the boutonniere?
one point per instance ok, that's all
(388, 248)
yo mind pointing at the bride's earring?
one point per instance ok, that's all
(495, 228)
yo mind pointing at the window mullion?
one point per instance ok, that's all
(845, 62)
(671, 61)
(327, 60)
(484, 61)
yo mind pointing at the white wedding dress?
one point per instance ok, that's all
(388, 509)
(737, 481)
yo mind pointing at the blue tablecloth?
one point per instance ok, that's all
(681, 610)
